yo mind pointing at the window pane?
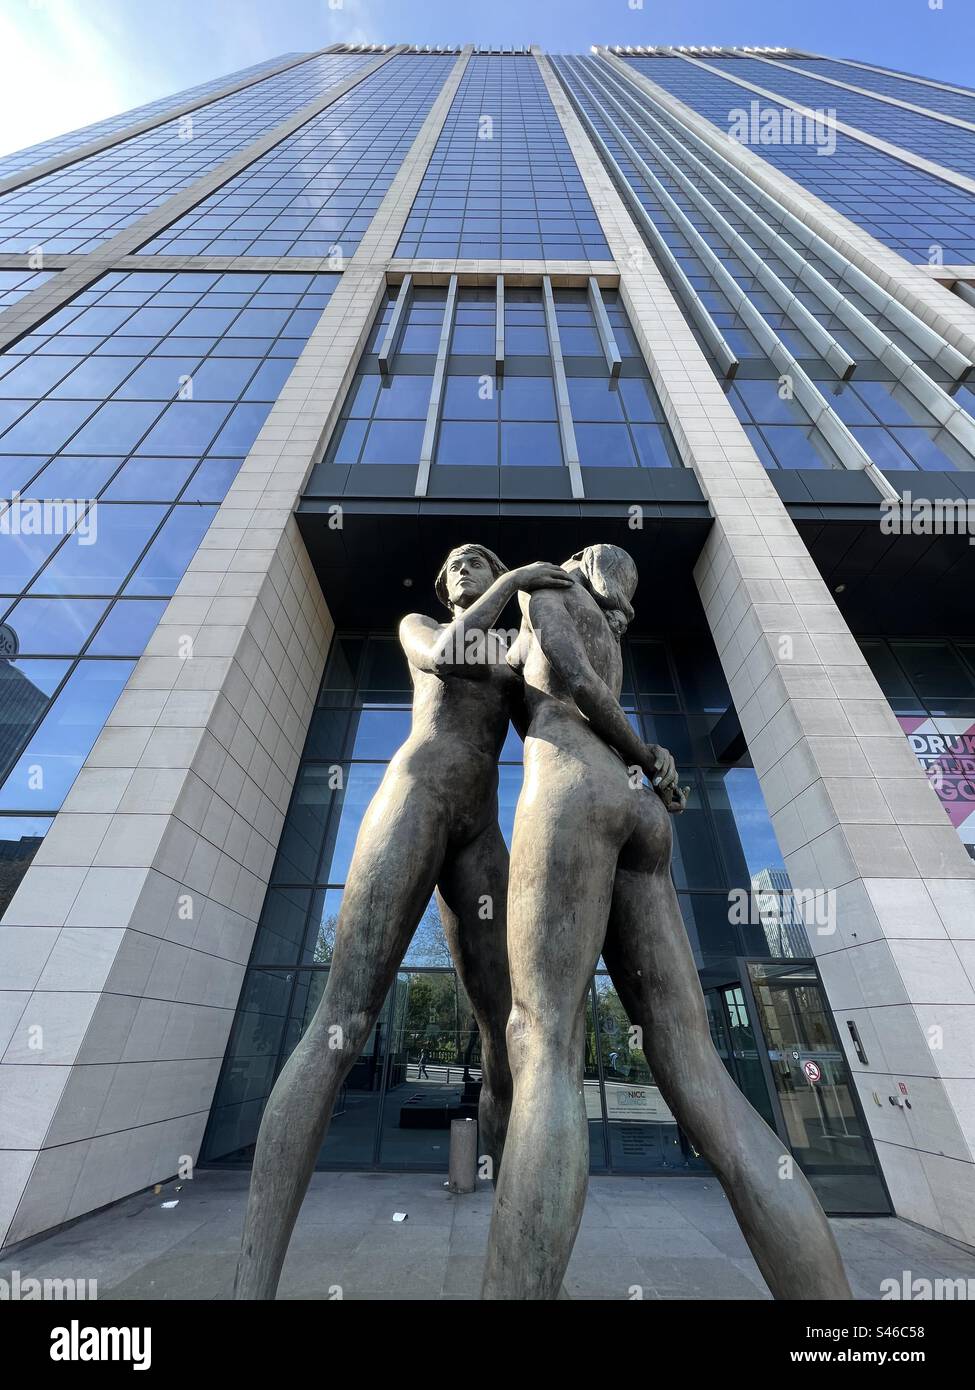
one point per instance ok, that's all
(44, 429)
(115, 428)
(654, 446)
(45, 771)
(530, 445)
(163, 566)
(527, 398)
(605, 446)
(54, 626)
(469, 398)
(393, 442)
(25, 689)
(98, 563)
(127, 628)
(404, 398)
(185, 428)
(468, 443)
(594, 400)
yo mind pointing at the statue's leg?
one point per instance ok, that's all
(397, 857)
(650, 961)
(558, 900)
(472, 895)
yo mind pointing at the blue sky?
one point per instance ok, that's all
(66, 63)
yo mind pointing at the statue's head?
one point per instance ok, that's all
(610, 576)
(466, 574)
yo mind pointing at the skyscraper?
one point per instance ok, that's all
(268, 350)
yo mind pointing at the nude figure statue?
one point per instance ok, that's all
(432, 825)
(590, 872)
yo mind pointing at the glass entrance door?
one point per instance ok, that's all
(734, 1038)
(822, 1119)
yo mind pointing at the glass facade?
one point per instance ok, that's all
(500, 422)
(891, 84)
(502, 181)
(316, 192)
(80, 206)
(14, 284)
(897, 430)
(926, 136)
(72, 140)
(126, 416)
(907, 209)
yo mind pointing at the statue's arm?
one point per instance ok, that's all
(563, 648)
(457, 648)
(440, 648)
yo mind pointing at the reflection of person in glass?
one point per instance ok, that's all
(432, 824)
(590, 871)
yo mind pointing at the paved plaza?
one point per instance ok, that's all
(670, 1238)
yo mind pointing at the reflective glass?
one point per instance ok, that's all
(42, 776)
(20, 839)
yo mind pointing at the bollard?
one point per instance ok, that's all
(463, 1156)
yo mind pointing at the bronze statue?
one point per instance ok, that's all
(590, 872)
(432, 825)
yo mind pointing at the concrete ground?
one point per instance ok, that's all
(672, 1238)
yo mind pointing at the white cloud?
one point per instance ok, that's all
(70, 63)
(60, 72)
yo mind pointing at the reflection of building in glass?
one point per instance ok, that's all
(21, 706)
(780, 915)
(15, 856)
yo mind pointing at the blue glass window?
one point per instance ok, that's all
(907, 208)
(118, 512)
(127, 628)
(502, 181)
(315, 192)
(497, 422)
(42, 776)
(537, 445)
(77, 207)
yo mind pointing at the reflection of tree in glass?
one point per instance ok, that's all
(430, 1019)
(429, 945)
(325, 942)
(619, 1058)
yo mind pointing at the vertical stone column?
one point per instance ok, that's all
(123, 950)
(855, 817)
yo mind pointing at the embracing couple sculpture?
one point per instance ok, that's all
(589, 873)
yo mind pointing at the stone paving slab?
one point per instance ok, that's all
(668, 1239)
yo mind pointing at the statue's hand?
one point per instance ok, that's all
(541, 575)
(660, 768)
